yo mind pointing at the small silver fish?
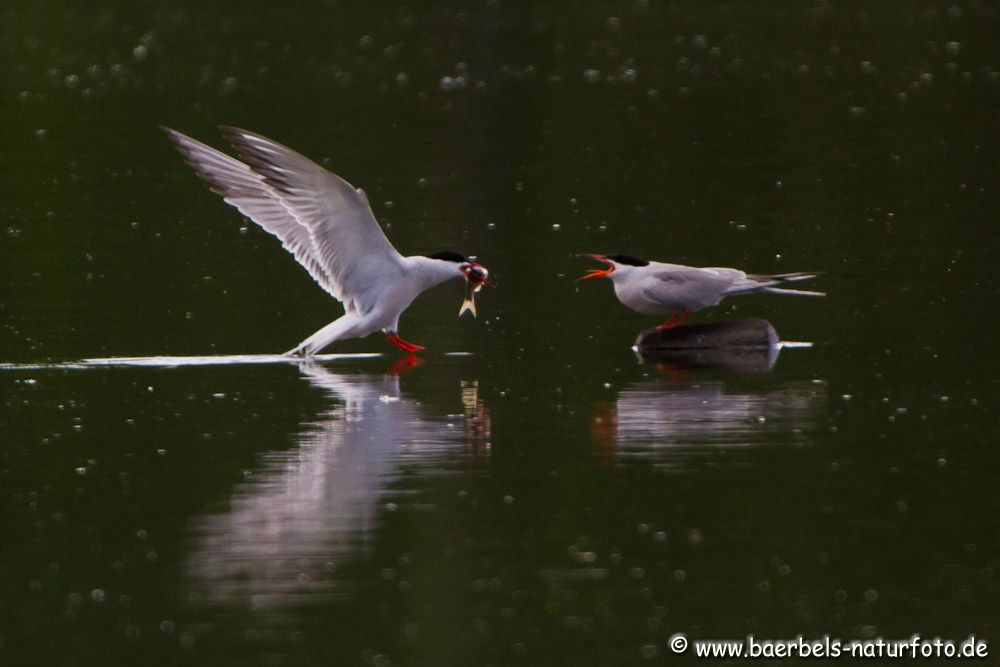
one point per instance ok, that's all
(470, 298)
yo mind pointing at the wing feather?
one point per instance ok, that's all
(683, 287)
(319, 218)
(347, 239)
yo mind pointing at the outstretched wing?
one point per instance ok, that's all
(321, 219)
(347, 240)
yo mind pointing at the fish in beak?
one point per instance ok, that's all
(598, 273)
(476, 276)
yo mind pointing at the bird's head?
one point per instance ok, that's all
(613, 262)
(467, 267)
(476, 275)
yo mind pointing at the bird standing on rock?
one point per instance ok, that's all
(328, 226)
(655, 288)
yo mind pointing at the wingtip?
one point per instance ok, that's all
(179, 140)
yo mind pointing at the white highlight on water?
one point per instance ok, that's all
(204, 360)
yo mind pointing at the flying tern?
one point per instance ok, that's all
(655, 288)
(328, 226)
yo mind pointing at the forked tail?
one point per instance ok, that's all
(783, 277)
(769, 283)
(793, 292)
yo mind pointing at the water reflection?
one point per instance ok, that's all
(676, 421)
(304, 511)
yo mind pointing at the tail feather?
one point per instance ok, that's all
(792, 292)
(767, 283)
(784, 277)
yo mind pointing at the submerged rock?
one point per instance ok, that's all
(743, 346)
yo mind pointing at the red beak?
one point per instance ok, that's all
(598, 273)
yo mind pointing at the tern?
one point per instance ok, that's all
(655, 288)
(328, 226)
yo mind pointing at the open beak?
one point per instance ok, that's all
(475, 277)
(598, 273)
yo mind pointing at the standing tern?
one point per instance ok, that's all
(655, 288)
(328, 226)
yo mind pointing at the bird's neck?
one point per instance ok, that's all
(429, 272)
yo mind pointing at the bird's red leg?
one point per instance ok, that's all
(675, 320)
(402, 344)
(410, 347)
(670, 323)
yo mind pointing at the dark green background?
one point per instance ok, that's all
(580, 508)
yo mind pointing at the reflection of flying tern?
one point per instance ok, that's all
(328, 226)
(304, 510)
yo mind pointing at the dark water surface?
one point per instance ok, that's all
(544, 499)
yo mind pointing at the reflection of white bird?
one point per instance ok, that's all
(305, 509)
(328, 226)
(655, 288)
(683, 419)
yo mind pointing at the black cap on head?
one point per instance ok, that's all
(448, 256)
(627, 259)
